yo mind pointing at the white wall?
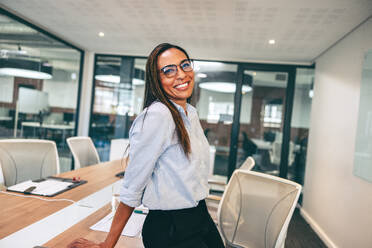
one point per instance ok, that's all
(337, 203)
(86, 94)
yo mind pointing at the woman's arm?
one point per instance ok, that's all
(121, 217)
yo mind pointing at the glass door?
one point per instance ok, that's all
(261, 119)
(264, 126)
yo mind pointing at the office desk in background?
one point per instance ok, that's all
(266, 145)
(27, 222)
(262, 144)
(54, 127)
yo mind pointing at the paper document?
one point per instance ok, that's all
(133, 228)
(47, 187)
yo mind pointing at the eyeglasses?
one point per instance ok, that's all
(171, 70)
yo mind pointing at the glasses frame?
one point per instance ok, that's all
(176, 67)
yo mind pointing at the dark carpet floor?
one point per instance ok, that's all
(301, 235)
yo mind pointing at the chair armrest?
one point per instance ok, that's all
(214, 197)
(212, 181)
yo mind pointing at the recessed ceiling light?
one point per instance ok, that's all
(271, 42)
(101, 34)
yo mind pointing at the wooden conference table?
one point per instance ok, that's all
(28, 222)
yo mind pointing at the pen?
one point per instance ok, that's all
(139, 211)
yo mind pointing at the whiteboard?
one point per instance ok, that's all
(32, 101)
(363, 141)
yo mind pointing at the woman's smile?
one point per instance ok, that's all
(183, 86)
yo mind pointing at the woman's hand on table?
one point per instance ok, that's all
(84, 243)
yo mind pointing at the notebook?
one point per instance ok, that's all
(50, 186)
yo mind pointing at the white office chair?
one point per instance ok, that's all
(27, 159)
(276, 150)
(212, 156)
(256, 209)
(118, 149)
(218, 182)
(248, 164)
(83, 151)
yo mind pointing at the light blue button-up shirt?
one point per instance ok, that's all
(159, 174)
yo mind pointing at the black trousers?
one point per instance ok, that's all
(184, 228)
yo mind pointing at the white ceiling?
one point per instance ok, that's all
(217, 30)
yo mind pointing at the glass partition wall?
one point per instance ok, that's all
(215, 87)
(39, 85)
(117, 100)
(300, 123)
(260, 123)
(262, 119)
(275, 118)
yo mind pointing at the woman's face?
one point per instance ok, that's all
(180, 85)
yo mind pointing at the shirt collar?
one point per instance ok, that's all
(181, 110)
(190, 112)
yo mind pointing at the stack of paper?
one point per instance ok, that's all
(133, 228)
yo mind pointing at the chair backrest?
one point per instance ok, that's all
(83, 151)
(27, 159)
(212, 155)
(256, 208)
(276, 153)
(248, 164)
(118, 148)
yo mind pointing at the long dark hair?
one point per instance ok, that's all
(154, 91)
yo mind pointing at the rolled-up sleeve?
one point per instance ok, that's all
(150, 134)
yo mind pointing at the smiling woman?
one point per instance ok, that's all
(168, 161)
